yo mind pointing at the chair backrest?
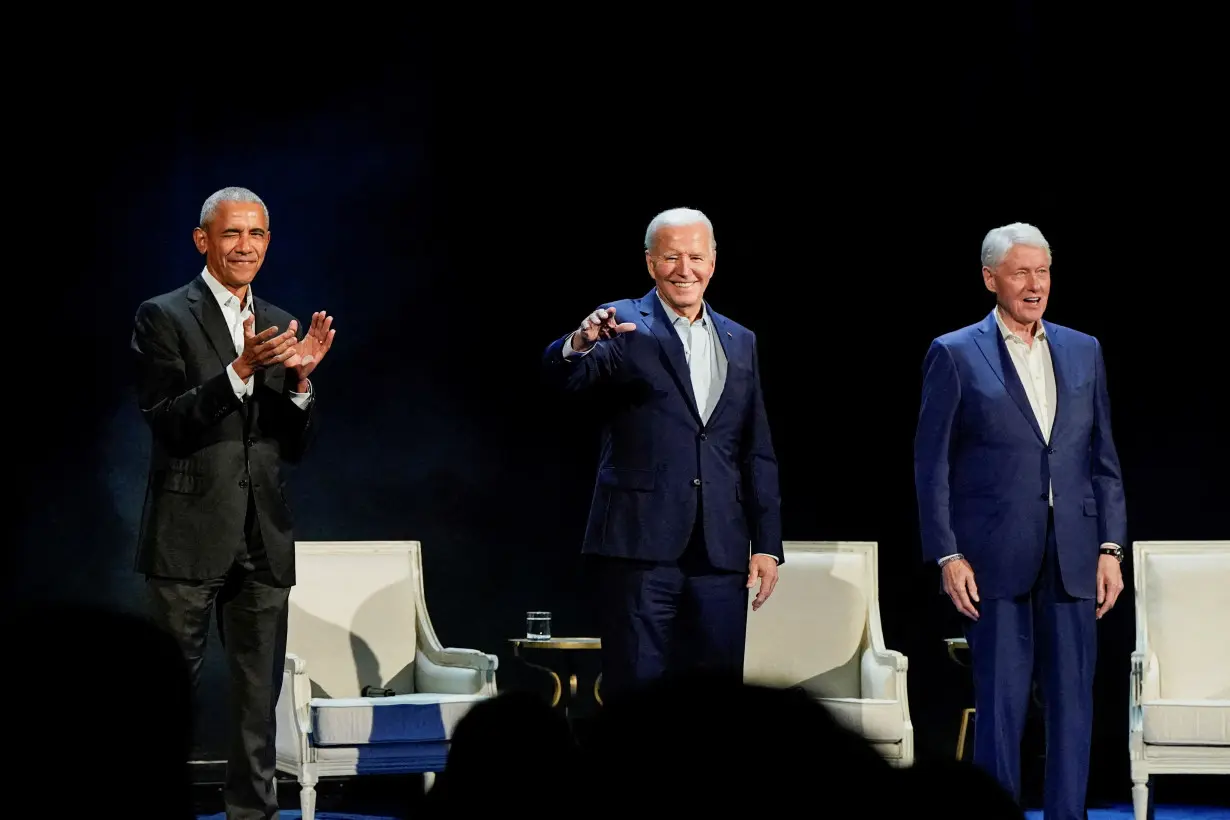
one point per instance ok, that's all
(354, 614)
(1183, 615)
(811, 633)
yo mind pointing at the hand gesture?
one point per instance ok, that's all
(960, 586)
(264, 349)
(764, 569)
(312, 348)
(600, 324)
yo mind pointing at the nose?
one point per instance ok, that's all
(244, 245)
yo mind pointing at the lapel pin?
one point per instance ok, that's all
(731, 335)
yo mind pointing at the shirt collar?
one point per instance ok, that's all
(1007, 334)
(225, 297)
(702, 318)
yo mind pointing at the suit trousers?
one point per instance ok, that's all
(665, 619)
(1052, 635)
(251, 609)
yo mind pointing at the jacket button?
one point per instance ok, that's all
(696, 482)
(243, 483)
(703, 436)
(1050, 451)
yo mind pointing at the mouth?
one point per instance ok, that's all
(1033, 300)
(683, 285)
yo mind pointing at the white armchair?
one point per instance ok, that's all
(821, 632)
(1179, 701)
(358, 618)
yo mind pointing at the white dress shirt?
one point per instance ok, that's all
(1036, 371)
(705, 356)
(235, 315)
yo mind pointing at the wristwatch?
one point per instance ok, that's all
(1115, 551)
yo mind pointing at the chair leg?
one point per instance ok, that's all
(965, 716)
(1140, 799)
(307, 792)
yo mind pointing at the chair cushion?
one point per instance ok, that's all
(418, 718)
(878, 721)
(1187, 722)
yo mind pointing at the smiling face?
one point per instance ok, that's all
(681, 261)
(1021, 283)
(234, 243)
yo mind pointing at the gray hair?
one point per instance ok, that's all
(231, 194)
(677, 217)
(998, 241)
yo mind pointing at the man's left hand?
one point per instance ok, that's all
(312, 349)
(1110, 583)
(763, 569)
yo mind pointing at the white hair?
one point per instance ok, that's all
(231, 194)
(999, 241)
(677, 217)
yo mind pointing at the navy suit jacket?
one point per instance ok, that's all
(658, 460)
(982, 467)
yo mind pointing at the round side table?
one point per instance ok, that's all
(564, 648)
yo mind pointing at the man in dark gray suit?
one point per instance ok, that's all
(223, 382)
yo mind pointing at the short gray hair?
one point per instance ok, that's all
(231, 194)
(999, 241)
(676, 217)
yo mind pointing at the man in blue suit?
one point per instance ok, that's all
(686, 514)
(1021, 503)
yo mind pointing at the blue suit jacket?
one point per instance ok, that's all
(981, 466)
(658, 460)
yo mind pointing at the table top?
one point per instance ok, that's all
(557, 643)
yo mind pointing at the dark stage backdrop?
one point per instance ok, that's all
(456, 210)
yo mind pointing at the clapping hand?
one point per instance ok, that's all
(264, 349)
(311, 349)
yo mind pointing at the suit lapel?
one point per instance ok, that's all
(262, 322)
(654, 315)
(997, 356)
(1059, 364)
(205, 308)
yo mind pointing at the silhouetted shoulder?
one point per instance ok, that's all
(168, 300)
(958, 337)
(733, 326)
(1067, 335)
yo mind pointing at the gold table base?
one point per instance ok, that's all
(559, 643)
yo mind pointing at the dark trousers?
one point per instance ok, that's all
(251, 610)
(662, 619)
(1052, 635)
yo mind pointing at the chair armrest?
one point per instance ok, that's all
(883, 673)
(1146, 683)
(454, 671)
(298, 686)
(294, 718)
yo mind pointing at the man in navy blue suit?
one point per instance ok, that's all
(1021, 503)
(686, 513)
